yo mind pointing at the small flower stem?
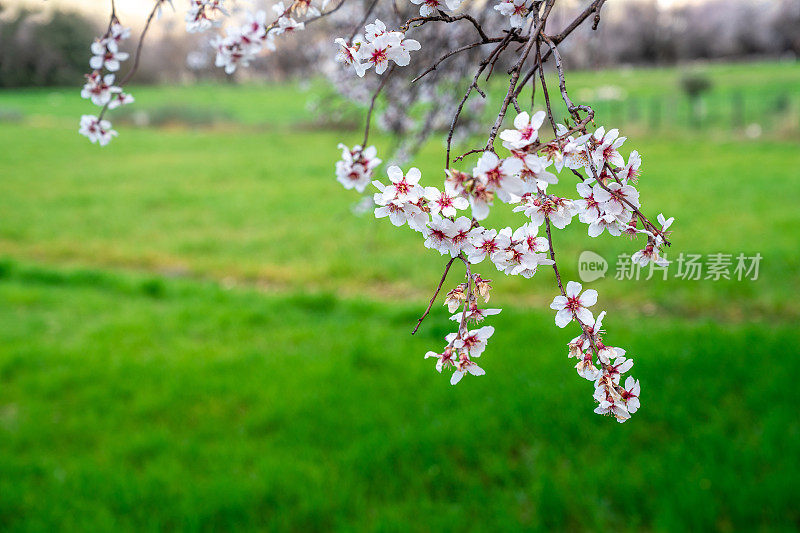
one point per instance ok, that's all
(584, 327)
(462, 327)
(435, 294)
(553, 256)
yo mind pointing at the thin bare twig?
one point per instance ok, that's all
(435, 294)
(372, 105)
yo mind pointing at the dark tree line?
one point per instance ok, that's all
(639, 32)
(38, 49)
(52, 48)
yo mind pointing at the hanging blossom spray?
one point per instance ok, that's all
(509, 35)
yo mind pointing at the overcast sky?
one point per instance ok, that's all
(139, 8)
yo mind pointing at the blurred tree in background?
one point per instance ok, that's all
(39, 49)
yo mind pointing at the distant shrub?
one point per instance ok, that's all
(694, 84)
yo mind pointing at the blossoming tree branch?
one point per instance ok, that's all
(506, 37)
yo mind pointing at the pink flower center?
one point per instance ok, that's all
(460, 237)
(494, 176)
(379, 55)
(471, 341)
(402, 186)
(438, 235)
(527, 132)
(573, 303)
(489, 246)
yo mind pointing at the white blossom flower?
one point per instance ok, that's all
(378, 52)
(526, 131)
(615, 198)
(465, 365)
(608, 406)
(480, 200)
(118, 33)
(349, 55)
(630, 394)
(354, 170)
(459, 236)
(473, 342)
(106, 55)
(404, 187)
(455, 298)
(558, 210)
(120, 99)
(231, 51)
(430, 7)
(456, 180)
(201, 14)
(589, 208)
(98, 131)
(485, 243)
(631, 171)
(574, 305)
(99, 89)
(288, 24)
(402, 56)
(606, 148)
(648, 254)
(444, 359)
(533, 173)
(586, 369)
(517, 10)
(398, 212)
(607, 353)
(254, 30)
(528, 238)
(382, 46)
(663, 232)
(612, 372)
(567, 151)
(446, 202)
(374, 30)
(437, 234)
(521, 255)
(499, 176)
(609, 222)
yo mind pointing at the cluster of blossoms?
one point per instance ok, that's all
(244, 43)
(354, 169)
(523, 176)
(99, 86)
(376, 49)
(434, 107)
(606, 194)
(465, 345)
(613, 399)
(204, 14)
(608, 199)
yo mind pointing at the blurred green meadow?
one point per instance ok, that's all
(199, 331)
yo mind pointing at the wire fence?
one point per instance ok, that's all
(751, 114)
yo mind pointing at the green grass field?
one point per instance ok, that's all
(197, 333)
